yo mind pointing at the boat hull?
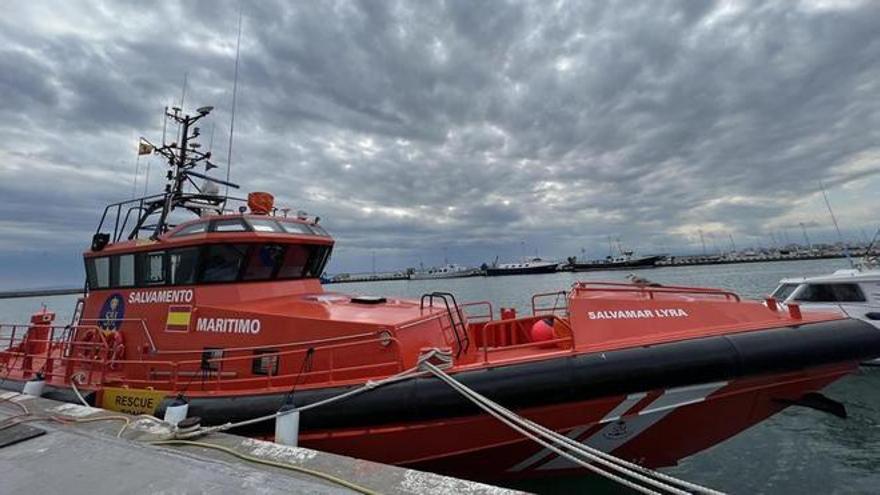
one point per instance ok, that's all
(653, 428)
(645, 262)
(437, 276)
(530, 270)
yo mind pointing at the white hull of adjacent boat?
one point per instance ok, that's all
(448, 271)
(854, 292)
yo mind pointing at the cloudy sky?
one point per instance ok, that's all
(480, 129)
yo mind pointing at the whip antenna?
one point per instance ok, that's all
(234, 92)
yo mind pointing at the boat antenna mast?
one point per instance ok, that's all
(182, 159)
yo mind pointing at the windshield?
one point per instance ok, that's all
(784, 291)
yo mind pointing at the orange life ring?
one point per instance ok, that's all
(88, 343)
(94, 340)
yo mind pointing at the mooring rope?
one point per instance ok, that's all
(545, 436)
(369, 385)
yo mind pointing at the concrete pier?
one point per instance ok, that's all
(84, 455)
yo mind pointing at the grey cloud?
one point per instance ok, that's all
(480, 125)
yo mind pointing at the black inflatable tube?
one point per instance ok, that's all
(574, 378)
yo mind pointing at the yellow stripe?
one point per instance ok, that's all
(178, 319)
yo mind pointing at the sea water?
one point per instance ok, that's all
(796, 451)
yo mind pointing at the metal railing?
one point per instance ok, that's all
(512, 335)
(121, 213)
(488, 315)
(652, 290)
(456, 318)
(557, 308)
(59, 357)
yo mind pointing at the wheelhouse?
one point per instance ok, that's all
(220, 249)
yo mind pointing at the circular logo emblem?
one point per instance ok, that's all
(617, 430)
(112, 312)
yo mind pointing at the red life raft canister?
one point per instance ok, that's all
(261, 203)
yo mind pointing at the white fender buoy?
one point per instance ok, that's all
(287, 424)
(176, 411)
(34, 387)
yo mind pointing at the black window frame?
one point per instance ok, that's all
(92, 273)
(304, 228)
(209, 354)
(257, 363)
(115, 271)
(252, 222)
(170, 279)
(203, 263)
(185, 231)
(860, 294)
(317, 258)
(214, 223)
(832, 291)
(142, 265)
(273, 275)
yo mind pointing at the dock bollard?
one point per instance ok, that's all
(35, 387)
(176, 411)
(287, 424)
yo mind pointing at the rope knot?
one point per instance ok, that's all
(441, 358)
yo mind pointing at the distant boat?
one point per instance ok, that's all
(449, 270)
(625, 260)
(532, 266)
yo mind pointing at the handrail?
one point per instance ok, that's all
(461, 338)
(550, 309)
(651, 290)
(178, 369)
(61, 359)
(141, 204)
(490, 312)
(486, 349)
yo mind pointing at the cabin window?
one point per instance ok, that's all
(223, 262)
(196, 228)
(264, 225)
(122, 270)
(183, 264)
(848, 293)
(211, 357)
(296, 257)
(230, 225)
(830, 293)
(262, 261)
(320, 230)
(783, 291)
(265, 362)
(153, 268)
(296, 228)
(98, 272)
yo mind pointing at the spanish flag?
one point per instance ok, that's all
(144, 148)
(178, 318)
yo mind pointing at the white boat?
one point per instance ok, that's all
(449, 270)
(855, 292)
